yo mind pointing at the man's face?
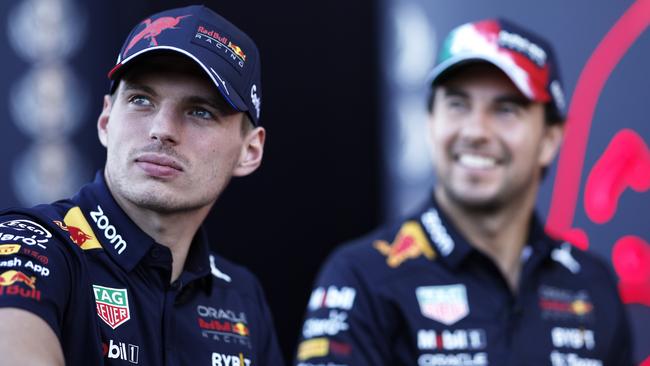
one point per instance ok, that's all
(172, 142)
(489, 141)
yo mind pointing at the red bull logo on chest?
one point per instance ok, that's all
(410, 243)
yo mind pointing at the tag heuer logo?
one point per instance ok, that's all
(112, 305)
(444, 304)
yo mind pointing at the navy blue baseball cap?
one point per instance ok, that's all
(228, 56)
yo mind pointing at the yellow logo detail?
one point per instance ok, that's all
(317, 347)
(7, 249)
(80, 231)
(410, 243)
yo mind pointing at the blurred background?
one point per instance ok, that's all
(344, 107)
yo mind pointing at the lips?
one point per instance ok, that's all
(160, 166)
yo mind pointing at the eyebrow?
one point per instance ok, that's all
(517, 99)
(130, 86)
(217, 103)
(454, 92)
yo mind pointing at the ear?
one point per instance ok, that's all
(252, 150)
(551, 143)
(102, 120)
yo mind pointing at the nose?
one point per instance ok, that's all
(475, 127)
(165, 126)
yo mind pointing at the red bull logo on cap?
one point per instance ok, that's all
(237, 50)
(410, 243)
(152, 29)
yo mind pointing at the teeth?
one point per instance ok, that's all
(476, 161)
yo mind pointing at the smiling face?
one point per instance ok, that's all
(172, 142)
(490, 142)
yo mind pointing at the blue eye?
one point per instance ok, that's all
(201, 113)
(140, 100)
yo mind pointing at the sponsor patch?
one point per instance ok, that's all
(317, 327)
(112, 305)
(121, 351)
(445, 304)
(216, 272)
(572, 359)
(437, 231)
(223, 325)
(452, 340)
(562, 304)
(457, 359)
(222, 359)
(152, 29)
(573, 338)
(12, 276)
(8, 249)
(516, 42)
(36, 255)
(16, 262)
(31, 232)
(317, 347)
(562, 255)
(79, 229)
(109, 231)
(332, 297)
(217, 41)
(9, 285)
(410, 243)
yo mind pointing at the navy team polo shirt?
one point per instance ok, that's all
(103, 286)
(417, 293)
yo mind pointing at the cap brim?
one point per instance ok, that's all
(231, 96)
(514, 73)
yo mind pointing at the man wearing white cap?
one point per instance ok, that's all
(471, 278)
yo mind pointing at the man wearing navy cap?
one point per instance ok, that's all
(122, 272)
(471, 279)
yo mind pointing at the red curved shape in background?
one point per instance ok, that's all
(631, 259)
(625, 163)
(588, 89)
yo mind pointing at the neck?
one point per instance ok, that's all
(174, 230)
(500, 233)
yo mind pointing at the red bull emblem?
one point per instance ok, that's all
(154, 29)
(410, 243)
(241, 329)
(76, 235)
(80, 231)
(237, 50)
(576, 307)
(10, 277)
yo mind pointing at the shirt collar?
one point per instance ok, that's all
(119, 236)
(452, 247)
(123, 240)
(197, 264)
